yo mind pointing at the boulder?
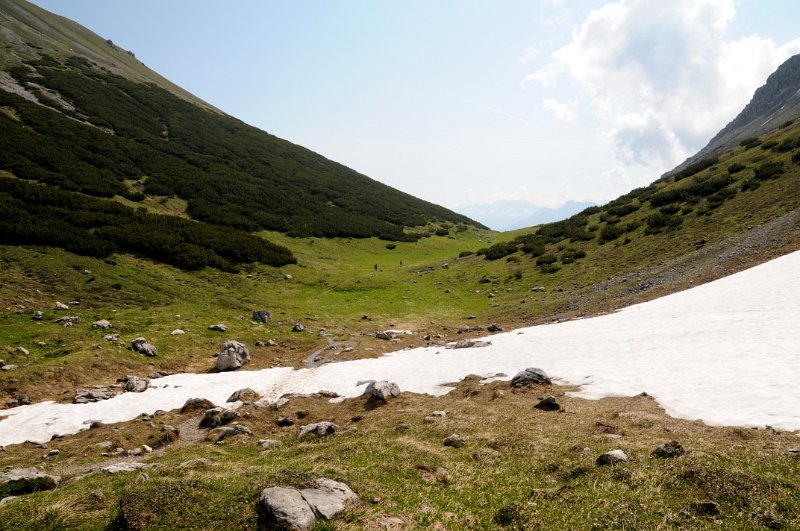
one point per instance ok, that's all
(299, 327)
(193, 404)
(136, 343)
(177, 332)
(111, 337)
(135, 384)
(148, 349)
(327, 498)
(530, 376)
(232, 431)
(61, 306)
(262, 316)
(244, 395)
(284, 422)
(20, 399)
(469, 343)
(548, 404)
(319, 429)
(68, 320)
(102, 323)
(94, 395)
(123, 467)
(495, 328)
(217, 416)
(24, 481)
(669, 449)
(219, 327)
(392, 334)
(279, 506)
(266, 444)
(611, 458)
(38, 315)
(232, 356)
(21, 350)
(382, 390)
(455, 440)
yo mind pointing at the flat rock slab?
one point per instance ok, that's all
(25, 480)
(327, 497)
(123, 467)
(279, 505)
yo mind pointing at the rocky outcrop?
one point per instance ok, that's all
(382, 390)
(262, 316)
(136, 384)
(141, 346)
(319, 429)
(530, 376)
(24, 481)
(232, 356)
(299, 508)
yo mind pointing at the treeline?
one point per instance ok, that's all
(216, 163)
(35, 214)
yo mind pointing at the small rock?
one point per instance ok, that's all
(299, 327)
(232, 431)
(548, 404)
(111, 337)
(319, 429)
(193, 404)
(61, 306)
(612, 457)
(288, 277)
(495, 328)
(266, 444)
(135, 384)
(102, 323)
(217, 416)
(244, 395)
(463, 330)
(455, 440)
(484, 280)
(123, 467)
(177, 332)
(382, 390)
(469, 343)
(284, 422)
(442, 475)
(9, 367)
(219, 327)
(141, 346)
(68, 320)
(38, 315)
(21, 350)
(530, 376)
(94, 395)
(669, 449)
(538, 289)
(262, 316)
(707, 508)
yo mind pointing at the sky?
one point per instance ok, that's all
(464, 102)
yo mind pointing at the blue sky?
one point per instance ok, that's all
(469, 101)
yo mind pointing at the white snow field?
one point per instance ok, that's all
(726, 352)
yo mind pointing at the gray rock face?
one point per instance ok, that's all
(530, 376)
(244, 395)
(219, 327)
(455, 440)
(382, 390)
(262, 316)
(135, 384)
(282, 506)
(548, 404)
(327, 497)
(319, 429)
(611, 458)
(217, 416)
(232, 356)
(102, 323)
(668, 450)
(24, 481)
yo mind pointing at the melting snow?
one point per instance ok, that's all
(726, 352)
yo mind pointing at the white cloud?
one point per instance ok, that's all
(531, 53)
(564, 112)
(663, 76)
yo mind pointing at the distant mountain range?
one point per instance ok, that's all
(512, 215)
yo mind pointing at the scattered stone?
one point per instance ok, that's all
(197, 463)
(548, 404)
(469, 343)
(232, 356)
(498, 393)
(135, 384)
(111, 337)
(232, 431)
(61, 306)
(382, 390)
(669, 449)
(41, 344)
(611, 458)
(442, 475)
(21, 350)
(244, 395)
(612, 436)
(266, 444)
(141, 346)
(299, 327)
(285, 507)
(94, 395)
(495, 328)
(484, 280)
(217, 416)
(319, 429)
(68, 320)
(9, 367)
(219, 327)
(102, 323)
(490, 295)
(388, 335)
(530, 376)
(177, 332)
(26, 480)
(327, 498)
(538, 289)
(455, 440)
(356, 418)
(193, 404)
(38, 315)
(86, 272)
(463, 330)
(20, 399)
(284, 422)
(136, 452)
(123, 467)
(288, 277)
(262, 316)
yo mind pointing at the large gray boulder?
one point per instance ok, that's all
(382, 390)
(286, 507)
(219, 327)
(141, 346)
(24, 481)
(244, 395)
(232, 356)
(103, 324)
(530, 376)
(217, 416)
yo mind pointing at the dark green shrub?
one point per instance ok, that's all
(750, 185)
(796, 157)
(546, 259)
(611, 232)
(751, 142)
(769, 144)
(665, 197)
(669, 209)
(391, 246)
(442, 232)
(786, 124)
(706, 186)
(696, 167)
(550, 268)
(769, 170)
(787, 145)
(498, 250)
(623, 210)
(464, 254)
(659, 221)
(632, 226)
(736, 167)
